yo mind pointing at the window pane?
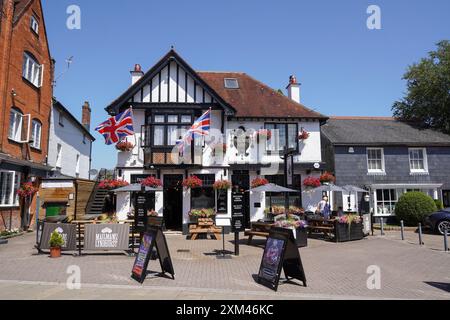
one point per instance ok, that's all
(172, 119)
(16, 187)
(282, 136)
(186, 119)
(173, 135)
(12, 122)
(271, 146)
(292, 136)
(158, 136)
(159, 119)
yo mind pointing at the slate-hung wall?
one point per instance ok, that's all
(351, 167)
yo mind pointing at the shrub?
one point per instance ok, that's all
(413, 207)
(439, 204)
(56, 240)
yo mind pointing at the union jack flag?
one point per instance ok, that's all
(116, 128)
(200, 127)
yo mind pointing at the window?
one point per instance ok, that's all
(36, 129)
(386, 201)
(231, 83)
(9, 184)
(61, 119)
(282, 135)
(204, 197)
(34, 24)
(32, 70)
(77, 168)
(278, 199)
(167, 129)
(84, 138)
(15, 125)
(375, 160)
(418, 160)
(58, 156)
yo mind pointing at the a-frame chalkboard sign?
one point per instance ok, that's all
(152, 237)
(281, 252)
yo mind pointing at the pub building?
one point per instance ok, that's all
(167, 99)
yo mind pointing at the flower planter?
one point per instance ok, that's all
(344, 232)
(301, 239)
(55, 252)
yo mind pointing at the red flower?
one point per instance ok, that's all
(222, 185)
(303, 135)
(151, 182)
(312, 182)
(192, 182)
(27, 189)
(259, 182)
(327, 177)
(124, 146)
(109, 184)
(264, 133)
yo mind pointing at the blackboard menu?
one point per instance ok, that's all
(237, 223)
(237, 204)
(222, 201)
(140, 212)
(139, 270)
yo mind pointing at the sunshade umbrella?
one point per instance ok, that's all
(271, 187)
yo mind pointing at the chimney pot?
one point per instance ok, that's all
(136, 74)
(86, 115)
(293, 89)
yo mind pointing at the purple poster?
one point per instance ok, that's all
(144, 251)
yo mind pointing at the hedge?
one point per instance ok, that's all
(413, 207)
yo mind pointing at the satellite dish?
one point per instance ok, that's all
(93, 172)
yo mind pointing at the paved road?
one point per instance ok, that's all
(334, 271)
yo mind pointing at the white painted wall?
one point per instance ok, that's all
(70, 136)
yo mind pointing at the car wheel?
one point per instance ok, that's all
(442, 225)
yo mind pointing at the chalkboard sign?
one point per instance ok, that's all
(153, 237)
(237, 207)
(237, 223)
(281, 252)
(222, 201)
(140, 212)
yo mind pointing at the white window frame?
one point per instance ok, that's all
(32, 70)
(18, 126)
(425, 160)
(77, 168)
(13, 200)
(58, 163)
(34, 24)
(398, 194)
(36, 142)
(383, 167)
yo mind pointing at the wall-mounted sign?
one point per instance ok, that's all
(316, 165)
(237, 207)
(222, 201)
(106, 236)
(67, 231)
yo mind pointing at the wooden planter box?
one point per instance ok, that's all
(344, 232)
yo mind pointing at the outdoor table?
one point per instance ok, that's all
(204, 226)
(321, 225)
(261, 229)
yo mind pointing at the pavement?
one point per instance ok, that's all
(333, 270)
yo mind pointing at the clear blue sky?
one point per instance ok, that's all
(345, 68)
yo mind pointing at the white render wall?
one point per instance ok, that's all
(70, 136)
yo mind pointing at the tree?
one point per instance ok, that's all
(428, 98)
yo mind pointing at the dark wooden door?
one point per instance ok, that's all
(173, 202)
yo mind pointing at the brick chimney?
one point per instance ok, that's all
(136, 74)
(86, 116)
(293, 89)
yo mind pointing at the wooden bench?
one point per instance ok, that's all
(252, 233)
(213, 231)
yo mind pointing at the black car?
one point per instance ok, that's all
(439, 221)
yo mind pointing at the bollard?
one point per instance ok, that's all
(402, 226)
(382, 226)
(420, 234)
(446, 240)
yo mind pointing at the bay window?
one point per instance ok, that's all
(283, 134)
(168, 128)
(32, 70)
(9, 184)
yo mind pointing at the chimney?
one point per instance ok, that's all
(86, 116)
(136, 74)
(293, 89)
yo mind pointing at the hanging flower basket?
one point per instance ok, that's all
(258, 182)
(327, 177)
(264, 134)
(125, 146)
(27, 190)
(151, 182)
(192, 182)
(110, 184)
(303, 135)
(312, 182)
(222, 185)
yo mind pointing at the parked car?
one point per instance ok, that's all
(439, 221)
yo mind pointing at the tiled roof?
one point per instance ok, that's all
(254, 98)
(380, 131)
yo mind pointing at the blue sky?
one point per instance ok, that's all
(344, 68)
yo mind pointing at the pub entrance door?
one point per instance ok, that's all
(173, 201)
(241, 179)
(446, 198)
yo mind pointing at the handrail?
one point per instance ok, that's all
(101, 175)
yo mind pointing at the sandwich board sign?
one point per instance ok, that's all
(280, 252)
(151, 238)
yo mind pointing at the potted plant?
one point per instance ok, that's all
(327, 177)
(298, 227)
(27, 190)
(56, 242)
(348, 228)
(257, 182)
(311, 182)
(263, 134)
(192, 182)
(152, 182)
(125, 146)
(303, 135)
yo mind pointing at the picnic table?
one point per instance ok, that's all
(260, 229)
(318, 224)
(205, 226)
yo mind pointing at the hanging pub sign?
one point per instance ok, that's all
(140, 211)
(153, 237)
(106, 237)
(280, 252)
(67, 231)
(222, 201)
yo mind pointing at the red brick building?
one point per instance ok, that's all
(26, 75)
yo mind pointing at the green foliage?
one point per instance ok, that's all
(56, 240)
(439, 204)
(413, 207)
(428, 85)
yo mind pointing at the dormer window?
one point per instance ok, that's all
(34, 24)
(231, 83)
